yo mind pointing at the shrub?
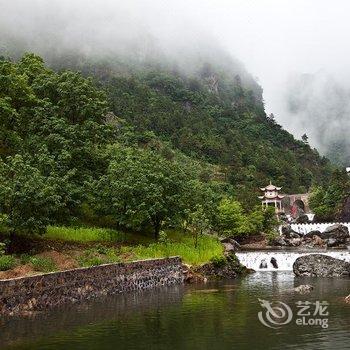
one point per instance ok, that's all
(7, 262)
(43, 264)
(218, 261)
(231, 219)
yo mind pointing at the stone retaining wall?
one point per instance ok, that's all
(25, 294)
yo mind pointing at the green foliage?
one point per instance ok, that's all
(228, 128)
(151, 149)
(234, 221)
(231, 219)
(28, 198)
(208, 247)
(7, 262)
(2, 248)
(88, 258)
(84, 234)
(198, 223)
(43, 264)
(99, 255)
(51, 130)
(141, 188)
(218, 261)
(326, 201)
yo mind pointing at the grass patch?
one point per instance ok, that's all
(98, 255)
(85, 234)
(208, 248)
(42, 264)
(7, 262)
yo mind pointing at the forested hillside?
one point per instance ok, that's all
(137, 148)
(215, 116)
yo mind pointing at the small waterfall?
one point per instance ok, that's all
(281, 260)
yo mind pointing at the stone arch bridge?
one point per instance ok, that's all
(293, 203)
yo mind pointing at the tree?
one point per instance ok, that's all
(198, 223)
(231, 218)
(326, 201)
(27, 199)
(141, 187)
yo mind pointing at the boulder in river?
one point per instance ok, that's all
(319, 265)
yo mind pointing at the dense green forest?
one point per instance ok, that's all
(141, 148)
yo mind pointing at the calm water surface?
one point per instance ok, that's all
(213, 316)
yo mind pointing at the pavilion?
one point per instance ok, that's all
(271, 197)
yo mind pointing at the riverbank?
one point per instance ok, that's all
(29, 294)
(60, 252)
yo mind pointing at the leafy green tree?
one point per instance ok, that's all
(141, 187)
(27, 198)
(326, 201)
(231, 218)
(198, 223)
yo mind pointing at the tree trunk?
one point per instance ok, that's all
(156, 226)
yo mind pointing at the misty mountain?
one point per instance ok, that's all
(319, 104)
(212, 115)
(168, 82)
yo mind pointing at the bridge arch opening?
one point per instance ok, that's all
(297, 207)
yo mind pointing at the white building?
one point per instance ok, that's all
(271, 197)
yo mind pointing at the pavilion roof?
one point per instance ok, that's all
(279, 196)
(270, 187)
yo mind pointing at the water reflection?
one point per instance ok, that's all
(221, 315)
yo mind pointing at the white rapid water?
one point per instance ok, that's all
(284, 259)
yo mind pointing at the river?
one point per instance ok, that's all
(220, 315)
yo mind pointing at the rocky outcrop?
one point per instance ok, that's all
(225, 267)
(302, 219)
(230, 245)
(318, 265)
(344, 215)
(334, 236)
(190, 276)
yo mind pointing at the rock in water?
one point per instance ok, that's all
(304, 288)
(273, 261)
(263, 264)
(319, 265)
